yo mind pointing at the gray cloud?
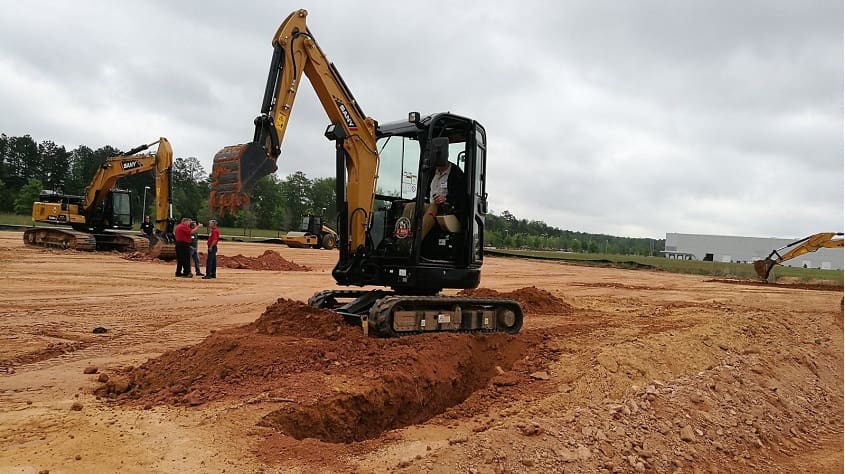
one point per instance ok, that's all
(625, 118)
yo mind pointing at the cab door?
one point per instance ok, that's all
(477, 176)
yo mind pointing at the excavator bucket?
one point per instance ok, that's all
(161, 250)
(763, 268)
(234, 173)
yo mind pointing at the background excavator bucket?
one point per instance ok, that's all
(161, 250)
(234, 173)
(763, 268)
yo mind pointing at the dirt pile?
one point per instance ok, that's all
(269, 260)
(530, 298)
(339, 385)
(140, 257)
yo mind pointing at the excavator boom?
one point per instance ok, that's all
(796, 249)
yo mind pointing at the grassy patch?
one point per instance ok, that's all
(15, 219)
(694, 267)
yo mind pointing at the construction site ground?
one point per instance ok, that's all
(111, 364)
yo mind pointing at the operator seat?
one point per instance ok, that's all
(449, 223)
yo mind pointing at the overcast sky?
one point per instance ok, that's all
(629, 118)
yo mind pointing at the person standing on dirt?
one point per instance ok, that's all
(211, 260)
(195, 258)
(182, 232)
(147, 228)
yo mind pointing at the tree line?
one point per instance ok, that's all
(27, 168)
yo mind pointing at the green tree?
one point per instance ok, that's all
(55, 161)
(190, 189)
(295, 191)
(323, 202)
(6, 202)
(245, 219)
(268, 203)
(27, 195)
(22, 161)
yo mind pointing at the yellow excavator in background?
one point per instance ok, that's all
(796, 249)
(94, 221)
(312, 233)
(380, 241)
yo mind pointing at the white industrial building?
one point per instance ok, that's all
(726, 248)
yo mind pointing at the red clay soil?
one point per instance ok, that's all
(269, 260)
(338, 385)
(530, 298)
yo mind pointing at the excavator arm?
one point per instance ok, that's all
(237, 168)
(796, 249)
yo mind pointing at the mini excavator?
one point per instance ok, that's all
(796, 249)
(383, 176)
(95, 220)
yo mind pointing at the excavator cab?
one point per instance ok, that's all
(396, 253)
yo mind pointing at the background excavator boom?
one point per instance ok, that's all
(796, 249)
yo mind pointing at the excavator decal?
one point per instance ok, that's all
(345, 113)
(128, 165)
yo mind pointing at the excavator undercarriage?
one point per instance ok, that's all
(387, 314)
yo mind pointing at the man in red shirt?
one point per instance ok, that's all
(211, 260)
(182, 232)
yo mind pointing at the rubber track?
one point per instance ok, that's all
(380, 319)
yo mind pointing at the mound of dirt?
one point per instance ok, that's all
(139, 257)
(337, 384)
(293, 318)
(530, 298)
(269, 260)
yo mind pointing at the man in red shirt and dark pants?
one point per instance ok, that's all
(183, 232)
(211, 260)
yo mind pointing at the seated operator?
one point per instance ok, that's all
(446, 194)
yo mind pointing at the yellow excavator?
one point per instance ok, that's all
(796, 249)
(95, 220)
(383, 173)
(312, 233)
